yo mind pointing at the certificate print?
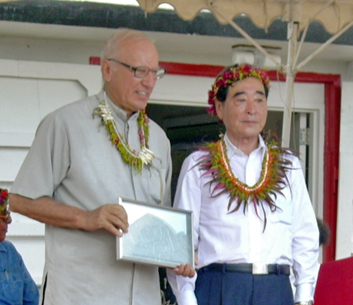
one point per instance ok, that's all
(157, 235)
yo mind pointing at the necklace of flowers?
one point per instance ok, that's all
(271, 182)
(137, 160)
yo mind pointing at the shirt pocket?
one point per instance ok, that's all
(12, 288)
(154, 181)
(283, 213)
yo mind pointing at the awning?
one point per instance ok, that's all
(336, 16)
(333, 15)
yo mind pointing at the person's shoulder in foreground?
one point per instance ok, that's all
(17, 286)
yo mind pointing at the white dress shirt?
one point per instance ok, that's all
(291, 235)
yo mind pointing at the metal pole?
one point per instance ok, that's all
(306, 30)
(287, 115)
(323, 46)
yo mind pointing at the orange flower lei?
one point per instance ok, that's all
(272, 179)
(249, 191)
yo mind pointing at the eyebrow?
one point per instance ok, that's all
(243, 92)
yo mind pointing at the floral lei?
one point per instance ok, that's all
(137, 160)
(272, 179)
(4, 200)
(232, 75)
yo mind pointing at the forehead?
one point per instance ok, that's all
(138, 51)
(248, 85)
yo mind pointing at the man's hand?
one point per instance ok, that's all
(184, 270)
(110, 217)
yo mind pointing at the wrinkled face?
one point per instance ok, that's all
(244, 111)
(123, 88)
(4, 221)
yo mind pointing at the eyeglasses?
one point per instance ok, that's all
(5, 216)
(142, 71)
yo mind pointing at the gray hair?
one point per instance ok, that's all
(113, 42)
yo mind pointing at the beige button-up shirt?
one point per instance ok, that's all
(73, 161)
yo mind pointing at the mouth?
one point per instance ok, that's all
(141, 93)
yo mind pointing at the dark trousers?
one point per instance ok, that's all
(236, 288)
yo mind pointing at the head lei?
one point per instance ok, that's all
(231, 75)
(4, 201)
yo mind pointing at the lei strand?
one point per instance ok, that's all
(248, 190)
(271, 182)
(137, 160)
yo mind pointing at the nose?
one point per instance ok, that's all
(250, 107)
(149, 80)
(9, 219)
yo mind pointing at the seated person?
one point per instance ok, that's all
(17, 286)
(324, 232)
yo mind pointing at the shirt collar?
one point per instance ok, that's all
(2, 247)
(233, 150)
(117, 112)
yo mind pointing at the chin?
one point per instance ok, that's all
(141, 107)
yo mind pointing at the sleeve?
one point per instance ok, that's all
(47, 161)
(305, 245)
(187, 197)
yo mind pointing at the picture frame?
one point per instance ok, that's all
(157, 235)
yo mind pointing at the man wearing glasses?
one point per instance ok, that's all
(84, 157)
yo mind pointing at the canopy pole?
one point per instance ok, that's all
(293, 28)
(322, 47)
(306, 30)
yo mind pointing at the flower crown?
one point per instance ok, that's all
(232, 75)
(4, 200)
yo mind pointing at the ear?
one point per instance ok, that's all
(106, 71)
(219, 107)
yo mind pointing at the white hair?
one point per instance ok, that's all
(113, 43)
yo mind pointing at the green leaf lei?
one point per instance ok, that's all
(137, 160)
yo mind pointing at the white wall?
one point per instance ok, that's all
(344, 244)
(69, 44)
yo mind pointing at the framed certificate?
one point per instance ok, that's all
(157, 235)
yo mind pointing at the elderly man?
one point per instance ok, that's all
(253, 218)
(75, 172)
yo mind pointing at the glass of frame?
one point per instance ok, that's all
(157, 235)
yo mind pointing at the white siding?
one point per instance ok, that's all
(344, 243)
